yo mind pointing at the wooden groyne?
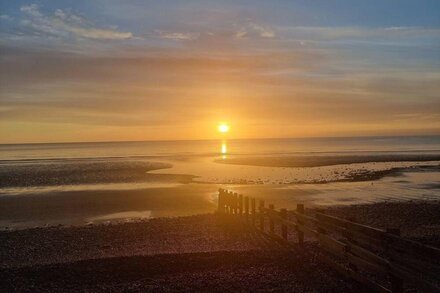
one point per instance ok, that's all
(379, 259)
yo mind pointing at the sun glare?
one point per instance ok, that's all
(223, 127)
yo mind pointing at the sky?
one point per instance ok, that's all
(108, 70)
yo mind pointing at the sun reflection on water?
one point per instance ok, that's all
(224, 150)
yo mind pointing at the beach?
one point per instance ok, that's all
(193, 253)
(142, 216)
(89, 183)
(219, 146)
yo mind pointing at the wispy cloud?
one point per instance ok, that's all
(247, 30)
(358, 33)
(6, 17)
(178, 36)
(65, 23)
(252, 29)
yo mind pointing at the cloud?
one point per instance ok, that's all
(357, 33)
(199, 69)
(177, 36)
(139, 93)
(6, 17)
(65, 23)
(252, 29)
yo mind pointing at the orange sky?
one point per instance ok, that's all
(66, 78)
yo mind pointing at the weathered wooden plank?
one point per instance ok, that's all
(364, 241)
(305, 218)
(356, 262)
(365, 254)
(414, 265)
(338, 229)
(366, 265)
(356, 237)
(395, 279)
(419, 279)
(278, 239)
(356, 276)
(413, 248)
(367, 230)
(335, 245)
(344, 251)
(306, 230)
(277, 217)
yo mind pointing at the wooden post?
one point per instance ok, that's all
(221, 205)
(234, 202)
(283, 214)
(262, 215)
(225, 202)
(246, 208)
(240, 204)
(396, 282)
(271, 221)
(253, 211)
(231, 203)
(300, 209)
(229, 208)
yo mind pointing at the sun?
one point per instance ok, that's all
(223, 127)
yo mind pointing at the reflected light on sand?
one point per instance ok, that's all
(127, 216)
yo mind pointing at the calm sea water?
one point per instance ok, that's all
(213, 147)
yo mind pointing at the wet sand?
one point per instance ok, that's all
(208, 169)
(83, 171)
(187, 254)
(326, 160)
(81, 205)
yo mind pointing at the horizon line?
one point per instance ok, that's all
(213, 139)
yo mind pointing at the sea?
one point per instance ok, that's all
(106, 182)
